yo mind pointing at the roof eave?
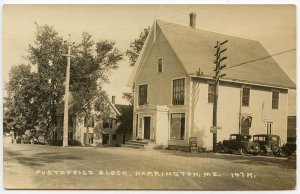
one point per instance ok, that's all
(242, 82)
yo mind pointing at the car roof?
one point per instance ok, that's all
(240, 134)
(269, 135)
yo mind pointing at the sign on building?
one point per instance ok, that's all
(193, 144)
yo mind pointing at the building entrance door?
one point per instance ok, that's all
(105, 139)
(147, 127)
(245, 125)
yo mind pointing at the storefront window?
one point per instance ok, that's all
(177, 126)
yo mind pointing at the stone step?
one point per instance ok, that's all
(139, 141)
(142, 144)
(133, 146)
(135, 143)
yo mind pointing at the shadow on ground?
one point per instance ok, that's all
(40, 159)
(238, 159)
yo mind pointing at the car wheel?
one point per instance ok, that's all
(219, 149)
(278, 153)
(228, 151)
(243, 150)
(275, 148)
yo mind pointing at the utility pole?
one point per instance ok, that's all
(66, 97)
(240, 111)
(217, 77)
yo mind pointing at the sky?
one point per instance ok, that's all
(273, 25)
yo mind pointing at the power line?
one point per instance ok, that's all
(260, 58)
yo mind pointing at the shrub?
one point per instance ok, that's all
(74, 143)
(55, 142)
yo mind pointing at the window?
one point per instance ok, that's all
(113, 122)
(143, 94)
(70, 136)
(178, 91)
(54, 135)
(141, 120)
(89, 122)
(160, 65)
(269, 127)
(246, 96)
(136, 125)
(262, 138)
(114, 137)
(275, 100)
(106, 123)
(274, 138)
(59, 121)
(211, 93)
(177, 126)
(70, 120)
(91, 138)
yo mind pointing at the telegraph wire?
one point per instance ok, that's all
(240, 64)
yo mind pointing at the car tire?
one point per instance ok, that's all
(243, 150)
(219, 149)
(278, 153)
(276, 150)
(264, 149)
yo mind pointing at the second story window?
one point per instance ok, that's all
(143, 94)
(275, 99)
(106, 123)
(70, 120)
(211, 93)
(178, 92)
(160, 65)
(88, 122)
(246, 97)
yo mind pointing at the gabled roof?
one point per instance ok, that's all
(60, 108)
(195, 49)
(121, 107)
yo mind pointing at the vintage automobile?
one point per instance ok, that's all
(288, 149)
(268, 143)
(239, 142)
(32, 136)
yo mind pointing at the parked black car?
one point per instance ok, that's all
(268, 143)
(289, 148)
(239, 142)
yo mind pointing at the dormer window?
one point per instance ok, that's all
(160, 65)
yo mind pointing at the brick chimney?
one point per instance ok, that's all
(193, 20)
(113, 99)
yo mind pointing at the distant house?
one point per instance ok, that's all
(174, 89)
(101, 132)
(124, 131)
